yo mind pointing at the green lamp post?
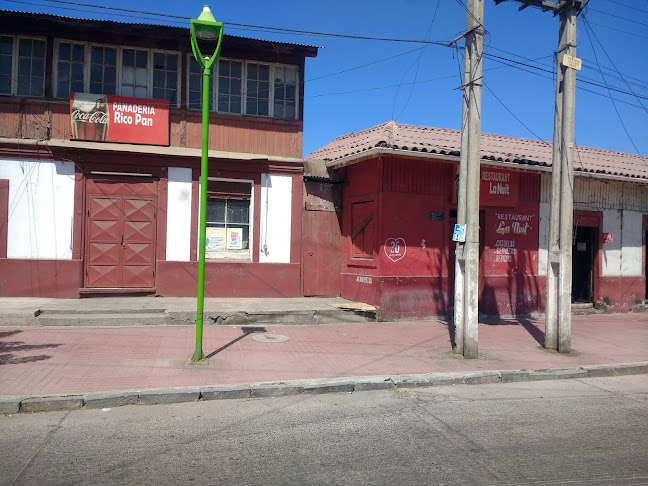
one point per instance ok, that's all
(205, 28)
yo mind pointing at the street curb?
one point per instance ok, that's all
(94, 400)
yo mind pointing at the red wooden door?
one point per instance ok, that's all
(321, 254)
(120, 237)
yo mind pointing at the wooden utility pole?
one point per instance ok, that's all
(559, 268)
(467, 253)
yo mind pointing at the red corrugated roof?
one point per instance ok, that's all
(495, 148)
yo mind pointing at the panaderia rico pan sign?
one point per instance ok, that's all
(108, 118)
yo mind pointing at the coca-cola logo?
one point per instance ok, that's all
(100, 117)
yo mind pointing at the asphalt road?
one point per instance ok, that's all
(590, 431)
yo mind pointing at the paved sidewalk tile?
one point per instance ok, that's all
(50, 360)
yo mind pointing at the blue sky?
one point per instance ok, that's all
(416, 84)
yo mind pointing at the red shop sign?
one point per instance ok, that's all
(498, 187)
(108, 118)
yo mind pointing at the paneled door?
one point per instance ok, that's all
(120, 232)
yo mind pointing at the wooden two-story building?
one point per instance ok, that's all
(100, 136)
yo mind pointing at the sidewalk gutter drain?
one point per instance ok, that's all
(270, 338)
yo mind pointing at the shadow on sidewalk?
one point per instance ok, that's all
(531, 327)
(246, 332)
(9, 348)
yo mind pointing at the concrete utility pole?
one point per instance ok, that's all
(467, 253)
(559, 269)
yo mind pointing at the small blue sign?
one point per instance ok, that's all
(459, 233)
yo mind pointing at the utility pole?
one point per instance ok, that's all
(559, 268)
(467, 253)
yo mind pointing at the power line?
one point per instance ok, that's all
(617, 16)
(264, 28)
(588, 29)
(512, 114)
(418, 65)
(628, 6)
(619, 30)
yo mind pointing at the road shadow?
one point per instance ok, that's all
(535, 332)
(8, 350)
(246, 332)
(5, 334)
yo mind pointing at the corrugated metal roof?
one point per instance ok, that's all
(161, 26)
(494, 148)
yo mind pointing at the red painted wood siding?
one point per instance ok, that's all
(40, 119)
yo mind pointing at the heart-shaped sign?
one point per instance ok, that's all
(395, 248)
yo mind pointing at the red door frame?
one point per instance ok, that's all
(593, 219)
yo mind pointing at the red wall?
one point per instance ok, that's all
(178, 279)
(40, 278)
(403, 260)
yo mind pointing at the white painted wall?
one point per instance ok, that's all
(611, 252)
(631, 254)
(41, 209)
(178, 243)
(276, 209)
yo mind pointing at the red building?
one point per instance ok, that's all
(100, 136)
(399, 209)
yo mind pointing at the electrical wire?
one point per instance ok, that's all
(617, 16)
(418, 65)
(628, 6)
(259, 27)
(511, 113)
(587, 29)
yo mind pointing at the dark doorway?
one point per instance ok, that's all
(583, 264)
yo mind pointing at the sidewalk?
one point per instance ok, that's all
(82, 361)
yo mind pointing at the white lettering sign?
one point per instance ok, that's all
(395, 248)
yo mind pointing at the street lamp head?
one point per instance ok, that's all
(204, 24)
(206, 28)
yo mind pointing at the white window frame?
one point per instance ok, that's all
(119, 68)
(244, 93)
(250, 220)
(14, 65)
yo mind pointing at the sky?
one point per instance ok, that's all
(356, 84)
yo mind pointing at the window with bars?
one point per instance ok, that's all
(71, 61)
(6, 63)
(285, 92)
(134, 78)
(258, 90)
(103, 70)
(22, 66)
(228, 220)
(230, 77)
(111, 70)
(165, 77)
(245, 87)
(31, 67)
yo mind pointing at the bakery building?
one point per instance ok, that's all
(100, 145)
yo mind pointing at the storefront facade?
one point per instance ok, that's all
(399, 208)
(100, 162)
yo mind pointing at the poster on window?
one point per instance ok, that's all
(511, 241)
(235, 238)
(215, 239)
(108, 118)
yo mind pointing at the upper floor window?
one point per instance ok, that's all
(140, 73)
(246, 87)
(70, 68)
(103, 71)
(22, 66)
